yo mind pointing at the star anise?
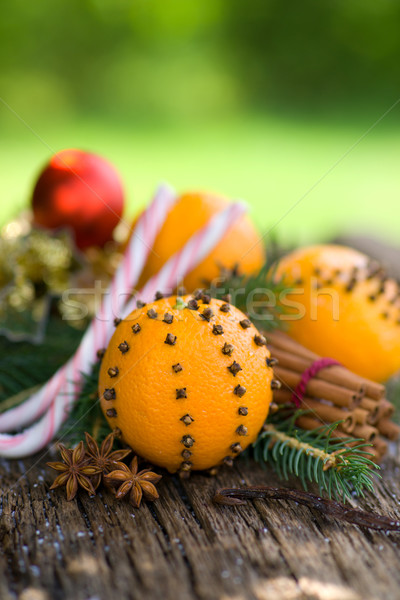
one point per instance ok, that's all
(103, 457)
(136, 484)
(76, 471)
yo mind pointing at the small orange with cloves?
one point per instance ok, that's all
(344, 306)
(240, 249)
(187, 381)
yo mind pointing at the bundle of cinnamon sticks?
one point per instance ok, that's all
(334, 394)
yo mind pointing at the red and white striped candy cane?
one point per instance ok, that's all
(67, 380)
(41, 433)
(186, 259)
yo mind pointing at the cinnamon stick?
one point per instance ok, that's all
(385, 410)
(366, 432)
(309, 423)
(330, 414)
(285, 342)
(325, 412)
(388, 429)
(361, 416)
(372, 408)
(283, 396)
(320, 389)
(375, 452)
(374, 390)
(380, 445)
(337, 375)
(334, 394)
(281, 341)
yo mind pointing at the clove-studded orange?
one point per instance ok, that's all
(346, 308)
(241, 247)
(187, 381)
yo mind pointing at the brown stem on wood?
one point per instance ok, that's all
(331, 508)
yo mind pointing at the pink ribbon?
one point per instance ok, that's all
(311, 372)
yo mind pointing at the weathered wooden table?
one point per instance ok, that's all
(183, 546)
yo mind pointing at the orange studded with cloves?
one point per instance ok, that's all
(188, 386)
(342, 305)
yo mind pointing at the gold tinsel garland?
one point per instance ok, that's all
(37, 265)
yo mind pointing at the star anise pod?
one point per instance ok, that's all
(103, 457)
(136, 484)
(76, 470)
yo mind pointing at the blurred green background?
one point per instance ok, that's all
(260, 100)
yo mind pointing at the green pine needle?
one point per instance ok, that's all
(24, 365)
(315, 456)
(256, 295)
(86, 414)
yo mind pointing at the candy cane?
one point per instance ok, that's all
(65, 380)
(186, 259)
(40, 434)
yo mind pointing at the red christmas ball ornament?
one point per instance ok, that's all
(82, 191)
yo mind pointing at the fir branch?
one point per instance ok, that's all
(86, 415)
(315, 456)
(24, 365)
(256, 295)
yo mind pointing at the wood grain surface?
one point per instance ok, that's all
(183, 546)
